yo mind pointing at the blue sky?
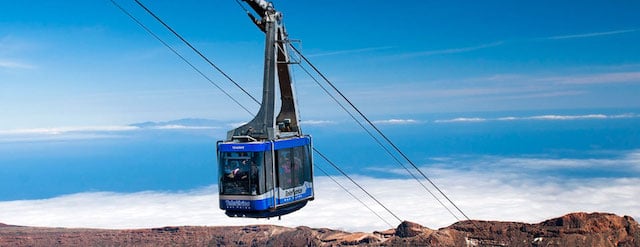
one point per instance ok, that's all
(84, 63)
(521, 110)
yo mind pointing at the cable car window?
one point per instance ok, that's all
(257, 173)
(240, 173)
(306, 164)
(285, 172)
(298, 163)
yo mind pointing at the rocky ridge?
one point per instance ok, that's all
(576, 229)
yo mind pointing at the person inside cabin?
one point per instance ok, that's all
(231, 169)
(240, 170)
(285, 172)
(254, 177)
(297, 169)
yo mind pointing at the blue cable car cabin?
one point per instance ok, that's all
(266, 165)
(265, 179)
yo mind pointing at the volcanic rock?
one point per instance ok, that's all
(408, 229)
(576, 229)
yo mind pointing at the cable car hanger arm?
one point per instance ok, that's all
(263, 9)
(266, 125)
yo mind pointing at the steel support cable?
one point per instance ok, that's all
(379, 131)
(179, 55)
(345, 189)
(229, 78)
(378, 141)
(352, 195)
(194, 49)
(242, 6)
(354, 182)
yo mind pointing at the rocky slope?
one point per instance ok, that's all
(576, 229)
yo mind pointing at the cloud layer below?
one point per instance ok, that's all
(507, 196)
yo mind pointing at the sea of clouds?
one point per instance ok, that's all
(481, 194)
(527, 189)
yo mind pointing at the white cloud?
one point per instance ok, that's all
(601, 78)
(396, 121)
(576, 117)
(317, 122)
(183, 127)
(529, 166)
(86, 132)
(538, 95)
(568, 117)
(63, 133)
(630, 160)
(7, 64)
(549, 117)
(62, 130)
(453, 50)
(116, 210)
(486, 195)
(594, 34)
(461, 119)
(9, 47)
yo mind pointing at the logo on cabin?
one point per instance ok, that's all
(237, 203)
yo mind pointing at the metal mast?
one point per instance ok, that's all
(265, 125)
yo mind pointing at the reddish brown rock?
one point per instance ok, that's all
(408, 229)
(577, 229)
(4, 225)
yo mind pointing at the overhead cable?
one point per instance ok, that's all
(194, 49)
(378, 130)
(377, 140)
(354, 182)
(352, 195)
(230, 79)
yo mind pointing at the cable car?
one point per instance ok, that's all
(266, 165)
(265, 179)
